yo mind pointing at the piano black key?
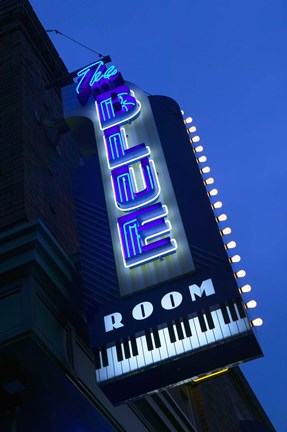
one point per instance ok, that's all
(171, 333)
(127, 351)
(232, 311)
(104, 356)
(179, 330)
(119, 351)
(209, 319)
(225, 314)
(97, 359)
(240, 308)
(148, 340)
(202, 322)
(134, 346)
(186, 327)
(156, 338)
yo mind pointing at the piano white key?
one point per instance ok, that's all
(200, 334)
(163, 348)
(243, 323)
(140, 358)
(232, 325)
(125, 362)
(132, 360)
(117, 365)
(187, 346)
(217, 331)
(155, 352)
(110, 368)
(193, 338)
(178, 345)
(169, 345)
(147, 354)
(209, 333)
(103, 376)
(224, 327)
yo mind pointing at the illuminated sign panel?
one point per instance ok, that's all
(179, 313)
(143, 231)
(149, 248)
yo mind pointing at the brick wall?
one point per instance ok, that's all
(37, 154)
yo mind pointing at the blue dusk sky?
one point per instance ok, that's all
(225, 63)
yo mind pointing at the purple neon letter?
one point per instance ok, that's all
(124, 184)
(137, 228)
(116, 107)
(117, 150)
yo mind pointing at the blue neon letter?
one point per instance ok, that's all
(125, 189)
(136, 230)
(116, 107)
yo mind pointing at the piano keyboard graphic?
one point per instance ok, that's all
(182, 336)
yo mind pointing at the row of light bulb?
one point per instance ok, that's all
(201, 159)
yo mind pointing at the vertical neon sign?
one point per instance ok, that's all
(144, 228)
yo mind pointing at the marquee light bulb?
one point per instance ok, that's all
(221, 218)
(192, 129)
(195, 139)
(188, 120)
(230, 245)
(202, 159)
(213, 192)
(198, 149)
(251, 304)
(257, 322)
(235, 259)
(182, 112)
(245, 289)
(216, 205)
(240, 274)
(209, 181)
(225, 231)
(205, 170)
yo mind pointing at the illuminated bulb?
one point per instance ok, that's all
(182, 112)
(245, 289)
(251, 304)
(257, 322)
(222, 217)
(209, 181)
(198, 149)
(225, 231)
(230, 245)
(192, 129)
(196, 138)
(217, 205)
(213, 192)
(188, 120)
(235, 259)
(240, 274)
(205, 170)
(202, 159)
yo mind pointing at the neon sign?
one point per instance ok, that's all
(95, 73)
(192, 312)
(144, 230)
(94, 77)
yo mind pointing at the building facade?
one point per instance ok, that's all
(47, 374)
